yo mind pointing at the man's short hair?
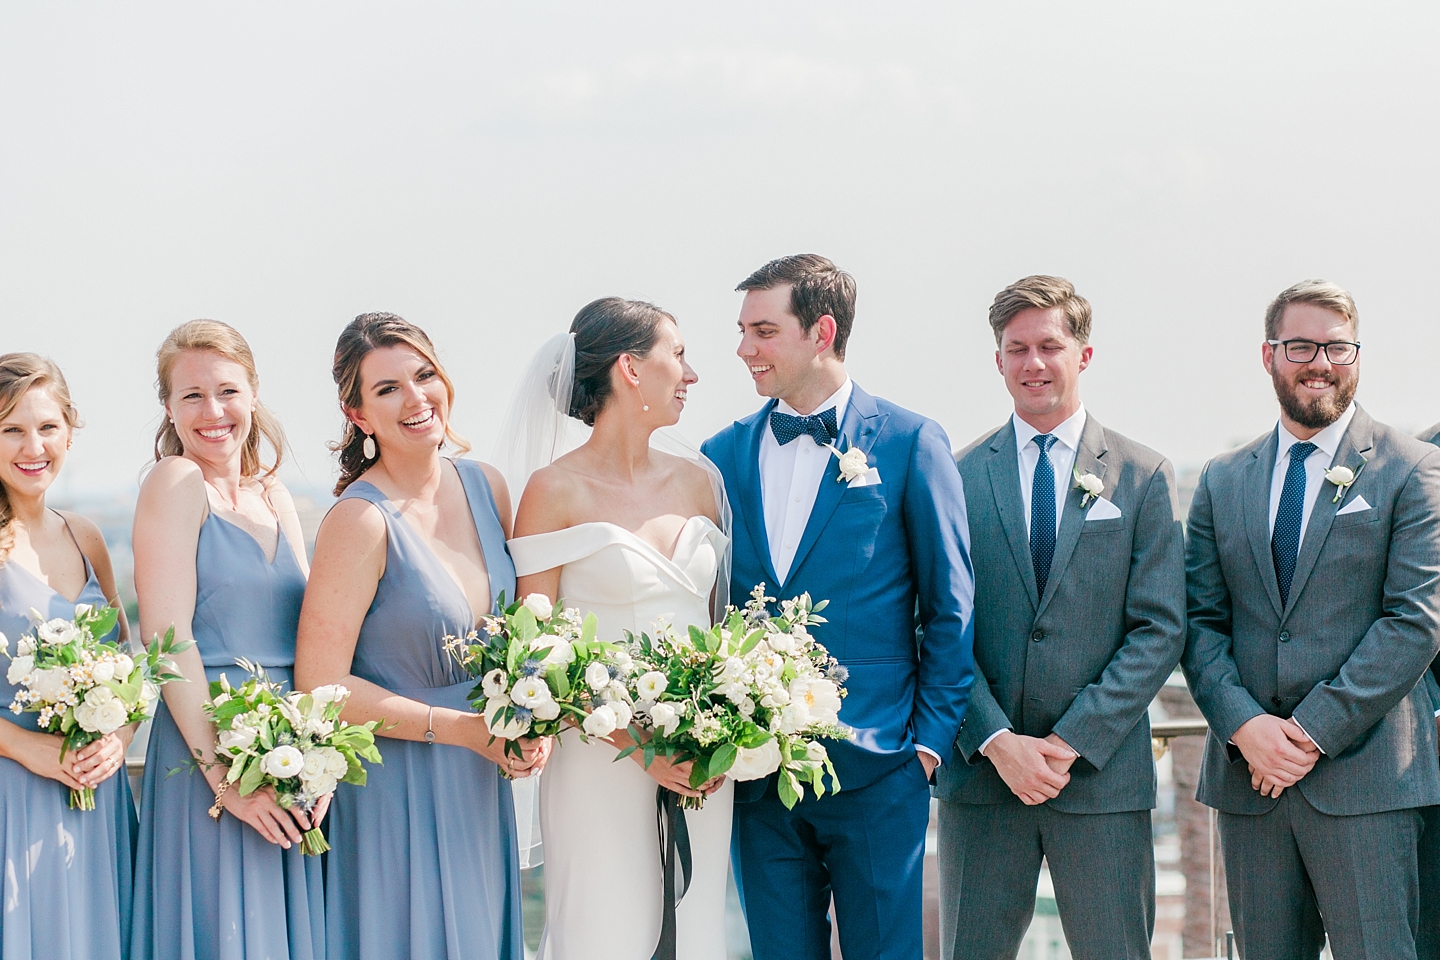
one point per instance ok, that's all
(817, 287)
(1044, 293)
(1322, 293)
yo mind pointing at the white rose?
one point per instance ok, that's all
(111, 715)
(282, 762)
(238, 737)
(622, 711)
(665, 718)
(615, 690)
(86, 716)
(103, 671)
(25, 646)
(1091, 484)
(816, 751)
(313, 767)
(4, 644)
(651, 685)
(852, 463)
(781, 642)
(494, 682)
(601, 722)
(99, 696)
(124, 666)
(753, 763)
(19, 668)
(561, 652)
(746, 707)
(548, 710)
(322, 785)
(330, 693)
(598, 676)
(793, 718)
(508, 730)
(820, 697)
(1340, 476)
(530, 692)
(335, 763)
(623, 662)
(540, 605)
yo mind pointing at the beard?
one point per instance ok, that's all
(1319, 413)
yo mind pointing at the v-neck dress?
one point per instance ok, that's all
(67, 873)
(597, 817)
(221, 891)
(423, 859)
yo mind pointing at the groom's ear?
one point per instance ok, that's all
(824, 329)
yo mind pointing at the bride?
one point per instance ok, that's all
(633, 534)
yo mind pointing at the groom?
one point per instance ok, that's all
(879, 547)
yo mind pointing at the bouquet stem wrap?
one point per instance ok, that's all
(675, 859)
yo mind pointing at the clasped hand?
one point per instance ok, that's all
(1035, 770)
(1277, 751)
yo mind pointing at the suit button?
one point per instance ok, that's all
(1276, 700)
(1037, 636)
(1285, 636)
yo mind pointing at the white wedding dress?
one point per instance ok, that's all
(603, 876)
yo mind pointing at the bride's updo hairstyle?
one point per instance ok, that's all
(604, 329)
(365, 334)
(225, 340)
(19, 374)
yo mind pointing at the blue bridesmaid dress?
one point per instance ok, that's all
(220, 891)
(67, 873)
(423, 861)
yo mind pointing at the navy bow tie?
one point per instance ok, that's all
(820, 427)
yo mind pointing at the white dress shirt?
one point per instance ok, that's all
(1062, 458)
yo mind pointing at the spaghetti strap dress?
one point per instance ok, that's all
(207, 890)
(423, 859)
(67, 873)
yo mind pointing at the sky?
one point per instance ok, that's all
(486, 169)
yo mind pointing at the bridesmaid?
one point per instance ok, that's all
(423, 860)
(67, 873)
(219, 556)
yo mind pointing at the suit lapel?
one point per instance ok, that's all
(752, 505)
(1357, 443)
(1088, 459)
(1004, 468)
(1259, 474)
(861, 426)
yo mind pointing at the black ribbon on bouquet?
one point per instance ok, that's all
(675, 860)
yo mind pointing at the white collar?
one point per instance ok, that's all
(1067, 433)
(840, 399)
(1328, 440)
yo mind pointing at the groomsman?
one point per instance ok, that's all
(881, 544)
(1428, 942)
(1079, 618)
(1313, 563)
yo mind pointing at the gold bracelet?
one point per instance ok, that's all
(217, 809)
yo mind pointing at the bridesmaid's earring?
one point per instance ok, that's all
(368, 447)
(643, 404)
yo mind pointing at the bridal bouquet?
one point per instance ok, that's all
(293, 742)
(82, 686)
(753, 695)
(539, 663)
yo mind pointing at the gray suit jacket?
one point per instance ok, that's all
(1346, 654)
(1085, 660)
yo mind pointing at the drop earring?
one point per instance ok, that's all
(368, 447)
(643, 404)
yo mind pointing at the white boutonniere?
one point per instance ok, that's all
(1343, 477)
(852, 463)
(1091, 484)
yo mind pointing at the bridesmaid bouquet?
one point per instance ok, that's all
(83, 687)
(753, 695)
(294, 742)
(538, 664)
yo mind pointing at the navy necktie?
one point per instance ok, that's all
(821, 426)
(1042, 513)
(1285, 541)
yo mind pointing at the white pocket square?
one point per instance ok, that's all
(1354, 506)
(1102, 509)
(867, 479)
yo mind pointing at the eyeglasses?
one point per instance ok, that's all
(1342, 353)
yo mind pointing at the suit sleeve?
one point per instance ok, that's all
(984, 718)
(1103, 714)
(1399, 647)
(939, 537)
(1209, 659)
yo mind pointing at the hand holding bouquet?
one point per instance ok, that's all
(752, 695)
(83, 687)
(293, 742)
(538, 664)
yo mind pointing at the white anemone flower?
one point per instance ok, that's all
(509, 729)
(283, 762)
(754, 763)
(329, 693)
(530, 692)
(651, 685)
(494, 683)
(821, 698)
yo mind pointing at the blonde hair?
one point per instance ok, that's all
(1322, 293)
(221, 338)
(19, 374)
(363, 335)
(1045, 293)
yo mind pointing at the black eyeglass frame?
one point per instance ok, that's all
(1318, 347)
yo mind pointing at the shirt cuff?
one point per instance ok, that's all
(990, 739)
(921, 748)
(1308, 737)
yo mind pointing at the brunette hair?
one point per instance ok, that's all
(362, 336)
(817, 288)
(225, 340)
(19, 374)
(604, 329)
(1045, 293)
(1322, 293)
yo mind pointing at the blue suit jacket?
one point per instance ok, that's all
(873, 552)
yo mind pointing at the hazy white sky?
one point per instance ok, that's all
(486, 169)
